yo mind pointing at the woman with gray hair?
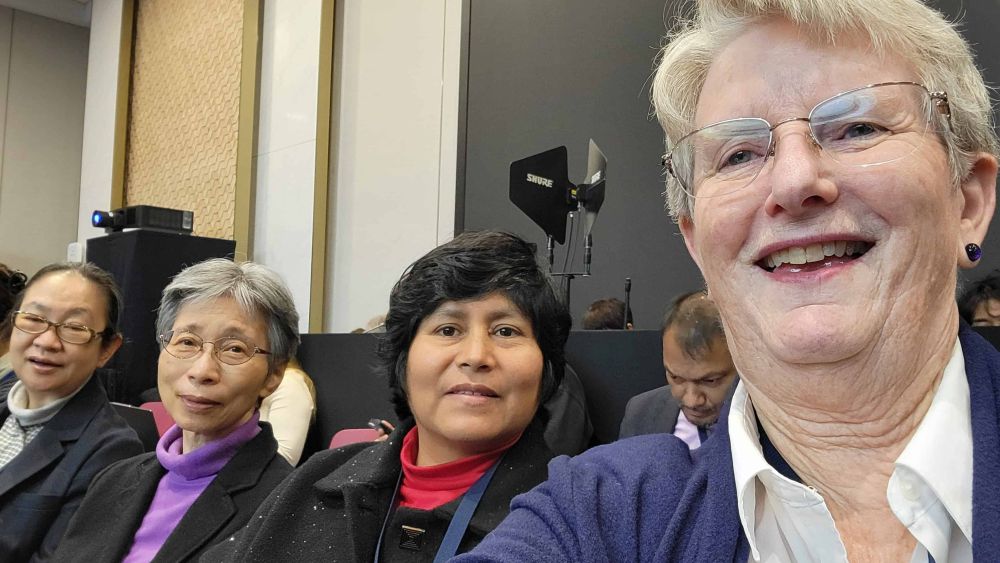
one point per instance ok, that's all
(227, 331)
(832, 165)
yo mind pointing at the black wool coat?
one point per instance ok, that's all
(333, 507)
(106, 523)
(43, 486)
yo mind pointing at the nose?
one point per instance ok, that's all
(476, 351)
(49, 339)
(205, 368)
(798, 185)
(693, 397)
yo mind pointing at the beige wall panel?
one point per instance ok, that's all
(184, 115)
(43, 138)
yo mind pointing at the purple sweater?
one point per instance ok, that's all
(188, 474)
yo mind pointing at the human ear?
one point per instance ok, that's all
(108, 348)
(686, 225)
(978, 203)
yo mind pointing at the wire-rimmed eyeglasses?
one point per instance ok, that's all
(73, 333)
(867, 126)
(229, 350)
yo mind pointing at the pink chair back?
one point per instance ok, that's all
(160, 415)
(353, 436)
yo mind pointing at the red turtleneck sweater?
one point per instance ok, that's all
(424, 488)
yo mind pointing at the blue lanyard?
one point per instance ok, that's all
(459, 522)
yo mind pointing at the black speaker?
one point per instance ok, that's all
(143, 263)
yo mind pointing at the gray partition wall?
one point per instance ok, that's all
(540, 74)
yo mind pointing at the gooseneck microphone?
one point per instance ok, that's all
(628, 298)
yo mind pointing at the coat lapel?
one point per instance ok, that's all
(126, 510)
(364, 488)
(983, 373)
(66, 426)
(215, 507)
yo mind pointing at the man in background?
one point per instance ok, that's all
(607, 314)
(700, 375)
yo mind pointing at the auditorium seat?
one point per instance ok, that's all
(353, 436)
(160, 415)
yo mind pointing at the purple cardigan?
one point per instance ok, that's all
(647, 499)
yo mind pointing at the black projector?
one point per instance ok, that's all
(144, 217)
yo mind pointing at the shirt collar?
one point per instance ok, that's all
(940, 451)
(942, 440)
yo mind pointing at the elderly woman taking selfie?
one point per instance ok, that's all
(227, 330)
(832, 166)
(58, 429)
(474, 343)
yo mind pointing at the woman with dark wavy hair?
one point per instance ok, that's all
(11, 284)
(473, 345)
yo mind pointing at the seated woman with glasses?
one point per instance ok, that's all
(58, 429)
(227, 331)
(473, 344)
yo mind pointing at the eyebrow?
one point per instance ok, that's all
(69, 312)
(455, 311)
(227, 330)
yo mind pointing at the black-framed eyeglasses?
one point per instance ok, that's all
(230, 350)
(867, 126)
(73, 333)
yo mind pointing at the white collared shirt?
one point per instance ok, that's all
(929, 491)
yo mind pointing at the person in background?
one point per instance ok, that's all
(57, 428)
(290, 410)
(979, 304)
(607, 314)
(700, 375)
(832, 165)
(227, 331)
(473, 345)
(11, 284)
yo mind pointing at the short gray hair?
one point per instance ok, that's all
(257, 290)
(939, 54)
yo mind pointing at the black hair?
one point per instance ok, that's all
(11, 284)
(471, 266)
(607, 314)
(696, 323)
(95, 275)
(978, 292)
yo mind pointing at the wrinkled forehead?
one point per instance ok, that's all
(776, 70)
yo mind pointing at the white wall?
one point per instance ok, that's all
(394, 148)
(43, 137)
(99, 114)
(286, 146)
(393, 193)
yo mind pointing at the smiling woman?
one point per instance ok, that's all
(832, 165)
(474, 344)
(226, 330)
(58, 428)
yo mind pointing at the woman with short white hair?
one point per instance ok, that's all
(832, 164)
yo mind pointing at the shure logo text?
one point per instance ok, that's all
(544, 182)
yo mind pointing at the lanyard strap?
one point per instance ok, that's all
(460, 521)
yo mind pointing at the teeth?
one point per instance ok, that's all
(841, 247)
(814, 252)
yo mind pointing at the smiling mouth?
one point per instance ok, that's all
(813, 256)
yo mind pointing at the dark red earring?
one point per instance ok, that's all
(973, 251)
